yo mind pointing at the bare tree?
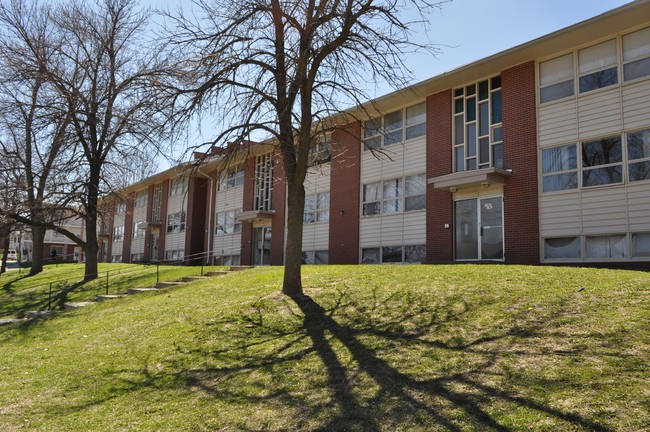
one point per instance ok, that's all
(284, 68)
(102, 70)
(36, 158)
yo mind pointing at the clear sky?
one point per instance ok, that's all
(469, 30)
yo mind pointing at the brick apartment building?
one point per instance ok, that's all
(538, 154)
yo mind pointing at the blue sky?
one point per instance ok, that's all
(469, 30)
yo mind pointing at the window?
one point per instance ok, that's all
(394, 195)
(178, 186)
(139, 230)
(118, 233)
(597, 66)
(263, 182)
(477, 126)
(315, 257)
(602, 162)
(227, 260)
(120, 208)
(317, 208)
(176, 222)
(638, 154)
(231, 178)
(227, 222)
(394, 254)
(556, 78)
(559, 168)
(116, 258)
(395, 127)
(320, 150)
(141, 198)
(137, 257)
(641, 245)
(562, 248)
(636, 54)
(614, 246)
(175, 255)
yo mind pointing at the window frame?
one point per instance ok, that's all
(176, 220)
(230, 223)
(231, 178)
(638, 160)
(380, 204)
(383, 257)
(383, 134)
(319, 213)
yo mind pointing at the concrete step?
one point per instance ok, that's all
(140, 290)
(76, 305)
(216, 273)
(192, 278)
(168, 284)
(239, 268)
(11, 320)
(37, 314)
(106, 297)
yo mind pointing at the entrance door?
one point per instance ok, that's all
(262, 246)
(479, 229)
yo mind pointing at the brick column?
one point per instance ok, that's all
(345, 190)
(247, 228)
(128, 228)
(440, 240)
(520, 201)
(164, 200)
(147, 234)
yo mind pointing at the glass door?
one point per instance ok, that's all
(262, 246)
(479, 229)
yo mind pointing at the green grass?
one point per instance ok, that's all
(61, 283)
(463, 347)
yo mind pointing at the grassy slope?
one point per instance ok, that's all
(373, 348)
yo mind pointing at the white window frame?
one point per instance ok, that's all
(383, 204)
(227, 221)
(640, 55)
(381, 132)
(317, 208)
(176, 222)
(231, 178)
(178, 186)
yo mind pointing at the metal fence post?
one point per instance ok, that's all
(107, 283)
(157, 272)
(49, 298)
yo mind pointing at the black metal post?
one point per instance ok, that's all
(107, 283)
(49, 298)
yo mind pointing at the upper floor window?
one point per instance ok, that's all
(320, 150)
(559, 168)
(139, 230)
(176, 222)
(395, 127)
(227, 223)
(394, 195)
(602, 161)
(597, 66)
(636, 54)
(556, 78)
(120, 208)
(478, 141)
(141, 198)
(317, 208)
(118, 233)
(638, 153)
(178, 186)
(231, 178)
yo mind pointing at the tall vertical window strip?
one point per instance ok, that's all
(636, 54)
(597, 66)
(556, 78)
(395, 127)
(638, 154)
(477, 126)
(263, 182)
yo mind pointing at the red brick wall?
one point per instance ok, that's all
(278, 202)
(196, 219)
(147, 234)
(521, 213)
(439, 162)
(210, 213)
(128, 228)
(247, 228)
(164, 200)
(345, 192)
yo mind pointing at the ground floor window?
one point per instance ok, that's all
(137, 257)
(315, 257)
(173, 255)
(56, 252)
(227, 260)
(394, 254)
(116, 258)
(620, 246)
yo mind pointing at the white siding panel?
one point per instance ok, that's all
(599, 114)
(391, 230)
(559, 214)
(557, 123)
(137, 246)
(636, 105)
(176, 203)
(229, 199)
(639, 206)
(175, 241)
(370, 232)
(229, 244)
(414, 228)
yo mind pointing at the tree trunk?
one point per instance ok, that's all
(292, 284)
(91, 224)
(38, 237)
(5, 248)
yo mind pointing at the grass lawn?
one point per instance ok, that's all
(372, 348)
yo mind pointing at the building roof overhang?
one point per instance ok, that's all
(469, 179)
